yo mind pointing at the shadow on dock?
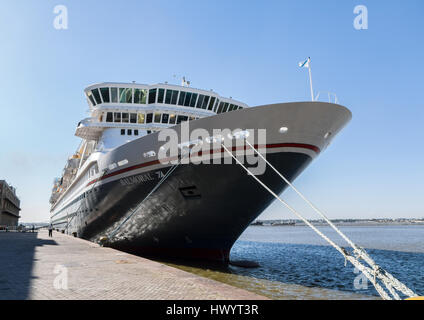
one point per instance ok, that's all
(17, 258)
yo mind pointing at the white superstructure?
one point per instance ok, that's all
(122, 112)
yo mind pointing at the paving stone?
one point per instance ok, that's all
(34, 266)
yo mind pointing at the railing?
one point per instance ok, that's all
(332, 97)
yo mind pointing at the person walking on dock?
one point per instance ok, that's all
(33, 228)
(51, 230)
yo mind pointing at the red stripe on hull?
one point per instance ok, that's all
(154, 162)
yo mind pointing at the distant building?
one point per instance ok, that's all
(9, 205)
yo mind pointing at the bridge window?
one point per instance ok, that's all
(205, 102)
(157, 117)
(140, 118)
(160, 95)
(187, 99)
(125, 117)
(174, 97)
(140, 96)
(149, 118)
(165, 118)
(168, 96)
(171, 96)
(172, 119)
(90, 96)
(133, 117)
(225, 107)
(211, 103)
(114, 94)
(152, 95)
(200, 101)
(182, 97)
(221, 106)
(193, 99)
(109, 117)
(105, 94)
(96, 95)
(117, 117)
(125, 95)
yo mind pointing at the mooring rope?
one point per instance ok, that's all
(372, 274)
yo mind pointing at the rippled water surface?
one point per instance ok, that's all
(296, 264)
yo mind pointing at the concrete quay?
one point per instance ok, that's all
(36, 267)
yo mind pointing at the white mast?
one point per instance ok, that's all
(310, 78)
(307, 64)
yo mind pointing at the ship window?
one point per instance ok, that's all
(109, 117)
(172, 119)
(105, 94)
(160, 95)
(215, 109)
(168, 96)
(140, 118)
(149, 131)
(125, 95)
(133, 117)
(122, 132)
(205, 102)
(140, 96)
(149, 117)
(165, 118)
(117, 117)
(231, 108)
(211, 103)
(152, 95)
(174, 97)
(96, 95)
(136, 132)
(187, 99)
(129, 132)
(200, 101)
(182, 97)
(221, 106)
(181, 119)
(157, 117)
(225, 107)
(114, 94)
(90, 96)
(193, 99)
(125, 117)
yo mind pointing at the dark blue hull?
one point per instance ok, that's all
(198, 212)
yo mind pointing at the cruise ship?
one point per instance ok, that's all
(128, 188)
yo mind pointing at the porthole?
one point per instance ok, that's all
(283, 129)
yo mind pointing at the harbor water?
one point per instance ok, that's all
(295, 263)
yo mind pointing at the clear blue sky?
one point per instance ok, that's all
(245, 49)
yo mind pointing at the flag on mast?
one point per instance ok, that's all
(305, 64)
